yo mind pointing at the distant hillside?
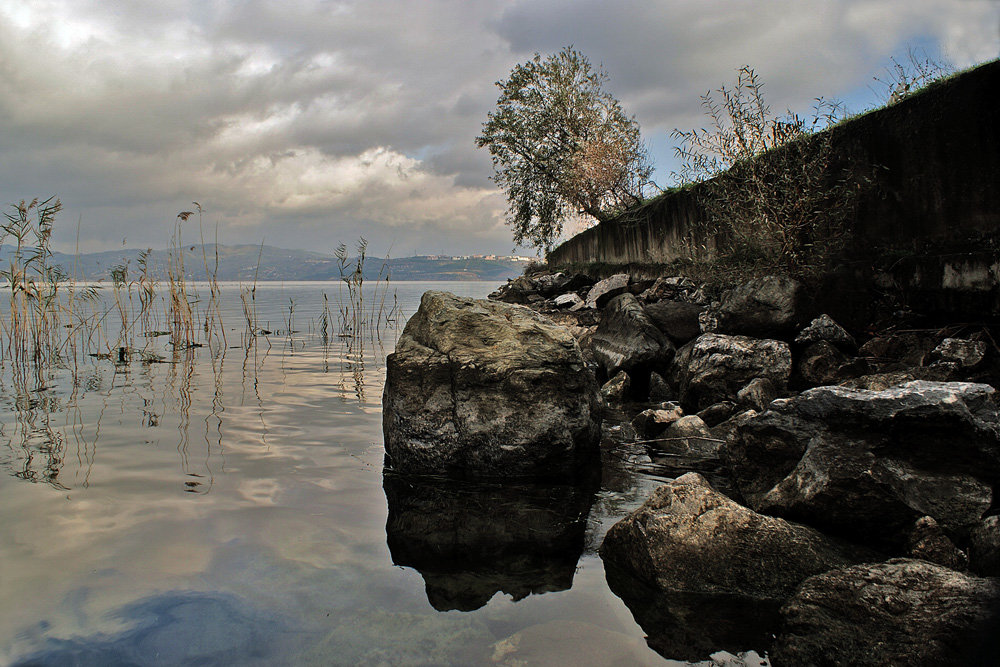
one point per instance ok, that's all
(245, 262)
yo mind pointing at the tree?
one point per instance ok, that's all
(562, 146)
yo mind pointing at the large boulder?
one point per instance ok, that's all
(901, 612)
(677, 319)
(626, 339)
(768, 307)
(690, 538)
(714, 367)
(481, 389)
(867, 464)
(984, 547)
(607, 289)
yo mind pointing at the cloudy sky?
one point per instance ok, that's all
(302, 123)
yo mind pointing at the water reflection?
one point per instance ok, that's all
(693, 626)
(181, 628)
(471, 541)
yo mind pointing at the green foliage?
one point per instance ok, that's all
(562, 147)
(773, 197)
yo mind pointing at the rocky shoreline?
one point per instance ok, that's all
(857, 521)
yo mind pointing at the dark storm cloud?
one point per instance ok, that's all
(306, 122)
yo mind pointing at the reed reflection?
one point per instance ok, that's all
(471, 541)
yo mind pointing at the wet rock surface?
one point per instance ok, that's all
(479, 389)
(901, 612)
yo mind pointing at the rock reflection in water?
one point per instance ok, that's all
(693, 626)
(471, 541)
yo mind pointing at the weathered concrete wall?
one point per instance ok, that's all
(935, 163)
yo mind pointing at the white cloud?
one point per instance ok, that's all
(306, 121)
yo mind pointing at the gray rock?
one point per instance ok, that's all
(690, 437)
(882, 381)
(984, 547)
(615, 390)
(823, 328)
(757, 394)
(570, 301)
(764, 307)
(902, 349)
(605, 290)
(821, 364)
(659, 390)
(717, 413)
(690, 426)
(967, 354)
(714, 367)
(678, 320)
(868, 464)
(626, 339)
(902, 612)
(689, 538)
(651, 422)
(724, 430)
(928, 542)
(674, 287)
(483, 389)
(549, 285)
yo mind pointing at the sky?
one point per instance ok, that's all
(305, 123)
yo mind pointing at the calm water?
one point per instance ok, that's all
(232, 510)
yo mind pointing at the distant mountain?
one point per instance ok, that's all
(247, 262)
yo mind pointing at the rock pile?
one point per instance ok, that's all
(861, 524)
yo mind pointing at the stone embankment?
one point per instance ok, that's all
(857, 523)
(861, 524)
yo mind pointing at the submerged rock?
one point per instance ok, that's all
(553, 643)
(690, 538)
(869, 464)
(480, 389)
(902, 612)
(714, 367)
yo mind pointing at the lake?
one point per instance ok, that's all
(229, 507)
